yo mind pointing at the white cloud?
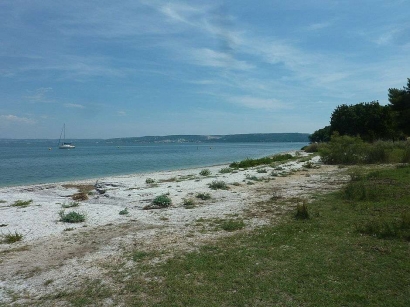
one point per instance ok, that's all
(74, 105)
(121, 113)
(212, 58)
(39, 95)
(258, 103)
(15, 119)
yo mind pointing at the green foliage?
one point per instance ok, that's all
(261, 170)
(189, 203)
(22, 203)
(352, 150)
(123, 211)
(149, 180)
(139, 255)
(162, 201)
(225, 170)
(400, 105)
(232, 225)
(314, 147)
(71, 217)
(370, 121)
(343, 150)
(205, 172)
(11, 238)
(218, 185)
(262, 161)
(321, 135)
(203, 196)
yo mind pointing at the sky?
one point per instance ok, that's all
(133, 68)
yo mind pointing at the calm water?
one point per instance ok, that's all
(30, 161)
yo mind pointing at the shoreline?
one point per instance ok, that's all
(56, 249)
(81, 164)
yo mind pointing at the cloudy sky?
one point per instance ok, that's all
(147, 67)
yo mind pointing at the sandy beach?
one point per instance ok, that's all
(54, 256)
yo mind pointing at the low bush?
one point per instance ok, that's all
(314, 147)
(225, 170)
(123, 211)
(22, 203)
(11, 238)
(162, 201)
(149, 180)
(218, 185)
(262, 161)
(203, 196)
(262, 171)
(71, 217)
(189, 203)
(205, 172)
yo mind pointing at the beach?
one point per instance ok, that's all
(119, 217)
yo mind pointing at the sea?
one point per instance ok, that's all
(25, 162)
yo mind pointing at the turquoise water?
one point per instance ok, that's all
(25, 162)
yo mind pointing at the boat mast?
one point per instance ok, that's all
(63, 130)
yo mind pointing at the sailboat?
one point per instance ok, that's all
(64, 144)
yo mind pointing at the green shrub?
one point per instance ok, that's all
(314, 147)
(262, 161)
(205, 172)
(189, 203)
(225, 170)
(162, 201)
(343, 150)
(11, 237)
(149, 180)
(22, 203)
(123, 211)
(218, 185)
(262, 171)
(203, 196)
(71, 217)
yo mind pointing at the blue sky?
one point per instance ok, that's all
(146, 67)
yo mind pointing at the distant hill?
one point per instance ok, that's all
(230, 138)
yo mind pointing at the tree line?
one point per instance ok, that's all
(371, 121)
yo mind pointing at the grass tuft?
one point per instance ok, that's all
(203, 196)
(189, 203)
(11, 238)
(71, 217)
(218, 185)
(22, 203)
(225, 170)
